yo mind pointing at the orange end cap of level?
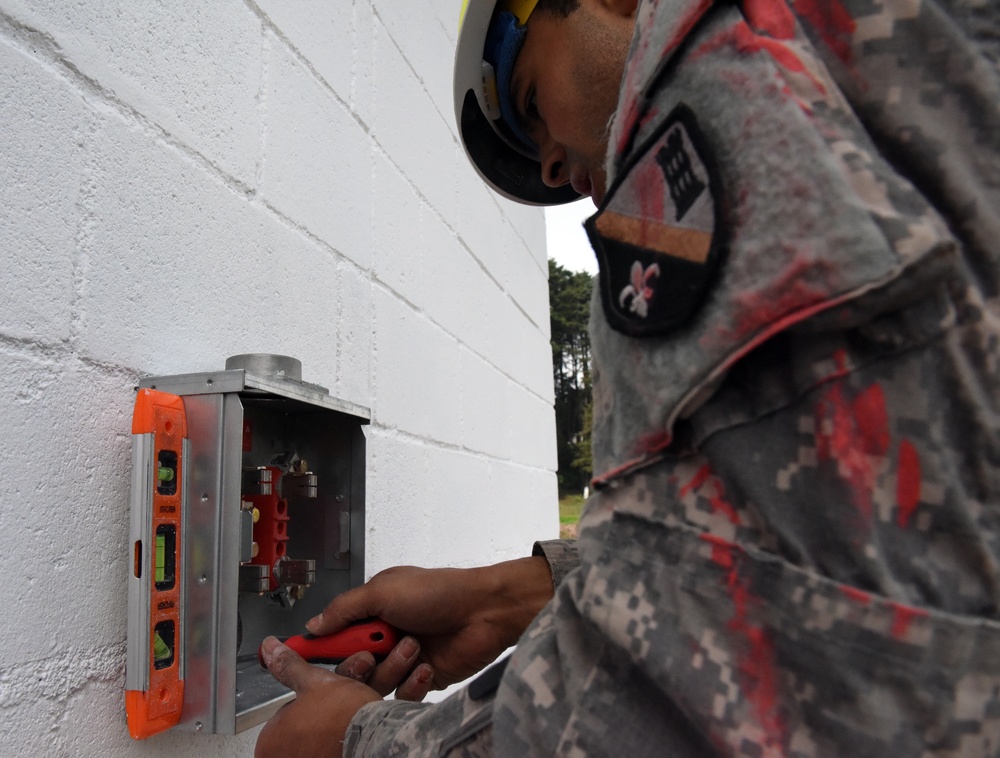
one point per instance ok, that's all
(140, 726)
(146, 403)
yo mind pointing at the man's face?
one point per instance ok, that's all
(565, 89)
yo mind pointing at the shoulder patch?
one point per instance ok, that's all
(656, 235)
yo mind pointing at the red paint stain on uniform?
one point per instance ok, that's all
(872, 420)
(907, 483)
(684, 26)
(771, 16)
(741, 37)
(746, 41)
(758, 336)
(722, 550)
(833, 22)
(840, 362)
(632, 123)
(854, 434)
(786, 301)
(902, 618)
(653, 443)
(760, 682)
(632, 84)
(698, 480)
(651, 200)
(721, 505)
(858, 596)
(627, 119)
(758, 673)
(717, 499)
(716, 540)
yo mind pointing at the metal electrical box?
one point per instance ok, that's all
(269, 485)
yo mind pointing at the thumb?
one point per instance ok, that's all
(287, 666)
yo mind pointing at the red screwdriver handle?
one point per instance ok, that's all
(375, 636)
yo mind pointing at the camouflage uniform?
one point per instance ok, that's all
(794, 548)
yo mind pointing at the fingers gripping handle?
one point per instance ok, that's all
(375, 636)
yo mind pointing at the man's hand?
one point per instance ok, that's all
(396, 672)
(314, 724)
(463, 618)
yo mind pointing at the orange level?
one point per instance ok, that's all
(154, 686)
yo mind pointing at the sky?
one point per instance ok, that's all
(566, 239)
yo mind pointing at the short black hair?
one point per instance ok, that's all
(559, 7)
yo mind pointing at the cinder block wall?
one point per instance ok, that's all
(183, 181)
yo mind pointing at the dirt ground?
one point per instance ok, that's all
(567, 531)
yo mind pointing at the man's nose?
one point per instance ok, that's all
(555, 171)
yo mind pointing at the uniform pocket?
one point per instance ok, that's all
(756, 651)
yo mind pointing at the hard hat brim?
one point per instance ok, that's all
(507, 170)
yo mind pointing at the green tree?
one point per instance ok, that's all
(583, 453)
(569, 311)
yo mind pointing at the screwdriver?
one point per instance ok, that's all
(373, 635)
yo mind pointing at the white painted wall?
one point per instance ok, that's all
(187, 180)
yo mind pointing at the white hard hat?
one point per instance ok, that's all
(502, 154)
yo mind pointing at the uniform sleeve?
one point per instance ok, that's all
(461, 725)
(561, 555)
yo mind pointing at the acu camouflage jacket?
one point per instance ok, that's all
(795, 547)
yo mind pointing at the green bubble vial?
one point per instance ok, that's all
(161, 550)
(161, 650)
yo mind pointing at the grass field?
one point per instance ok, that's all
(569, 513)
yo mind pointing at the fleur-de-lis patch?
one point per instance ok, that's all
(656, 235)
(638, 293)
